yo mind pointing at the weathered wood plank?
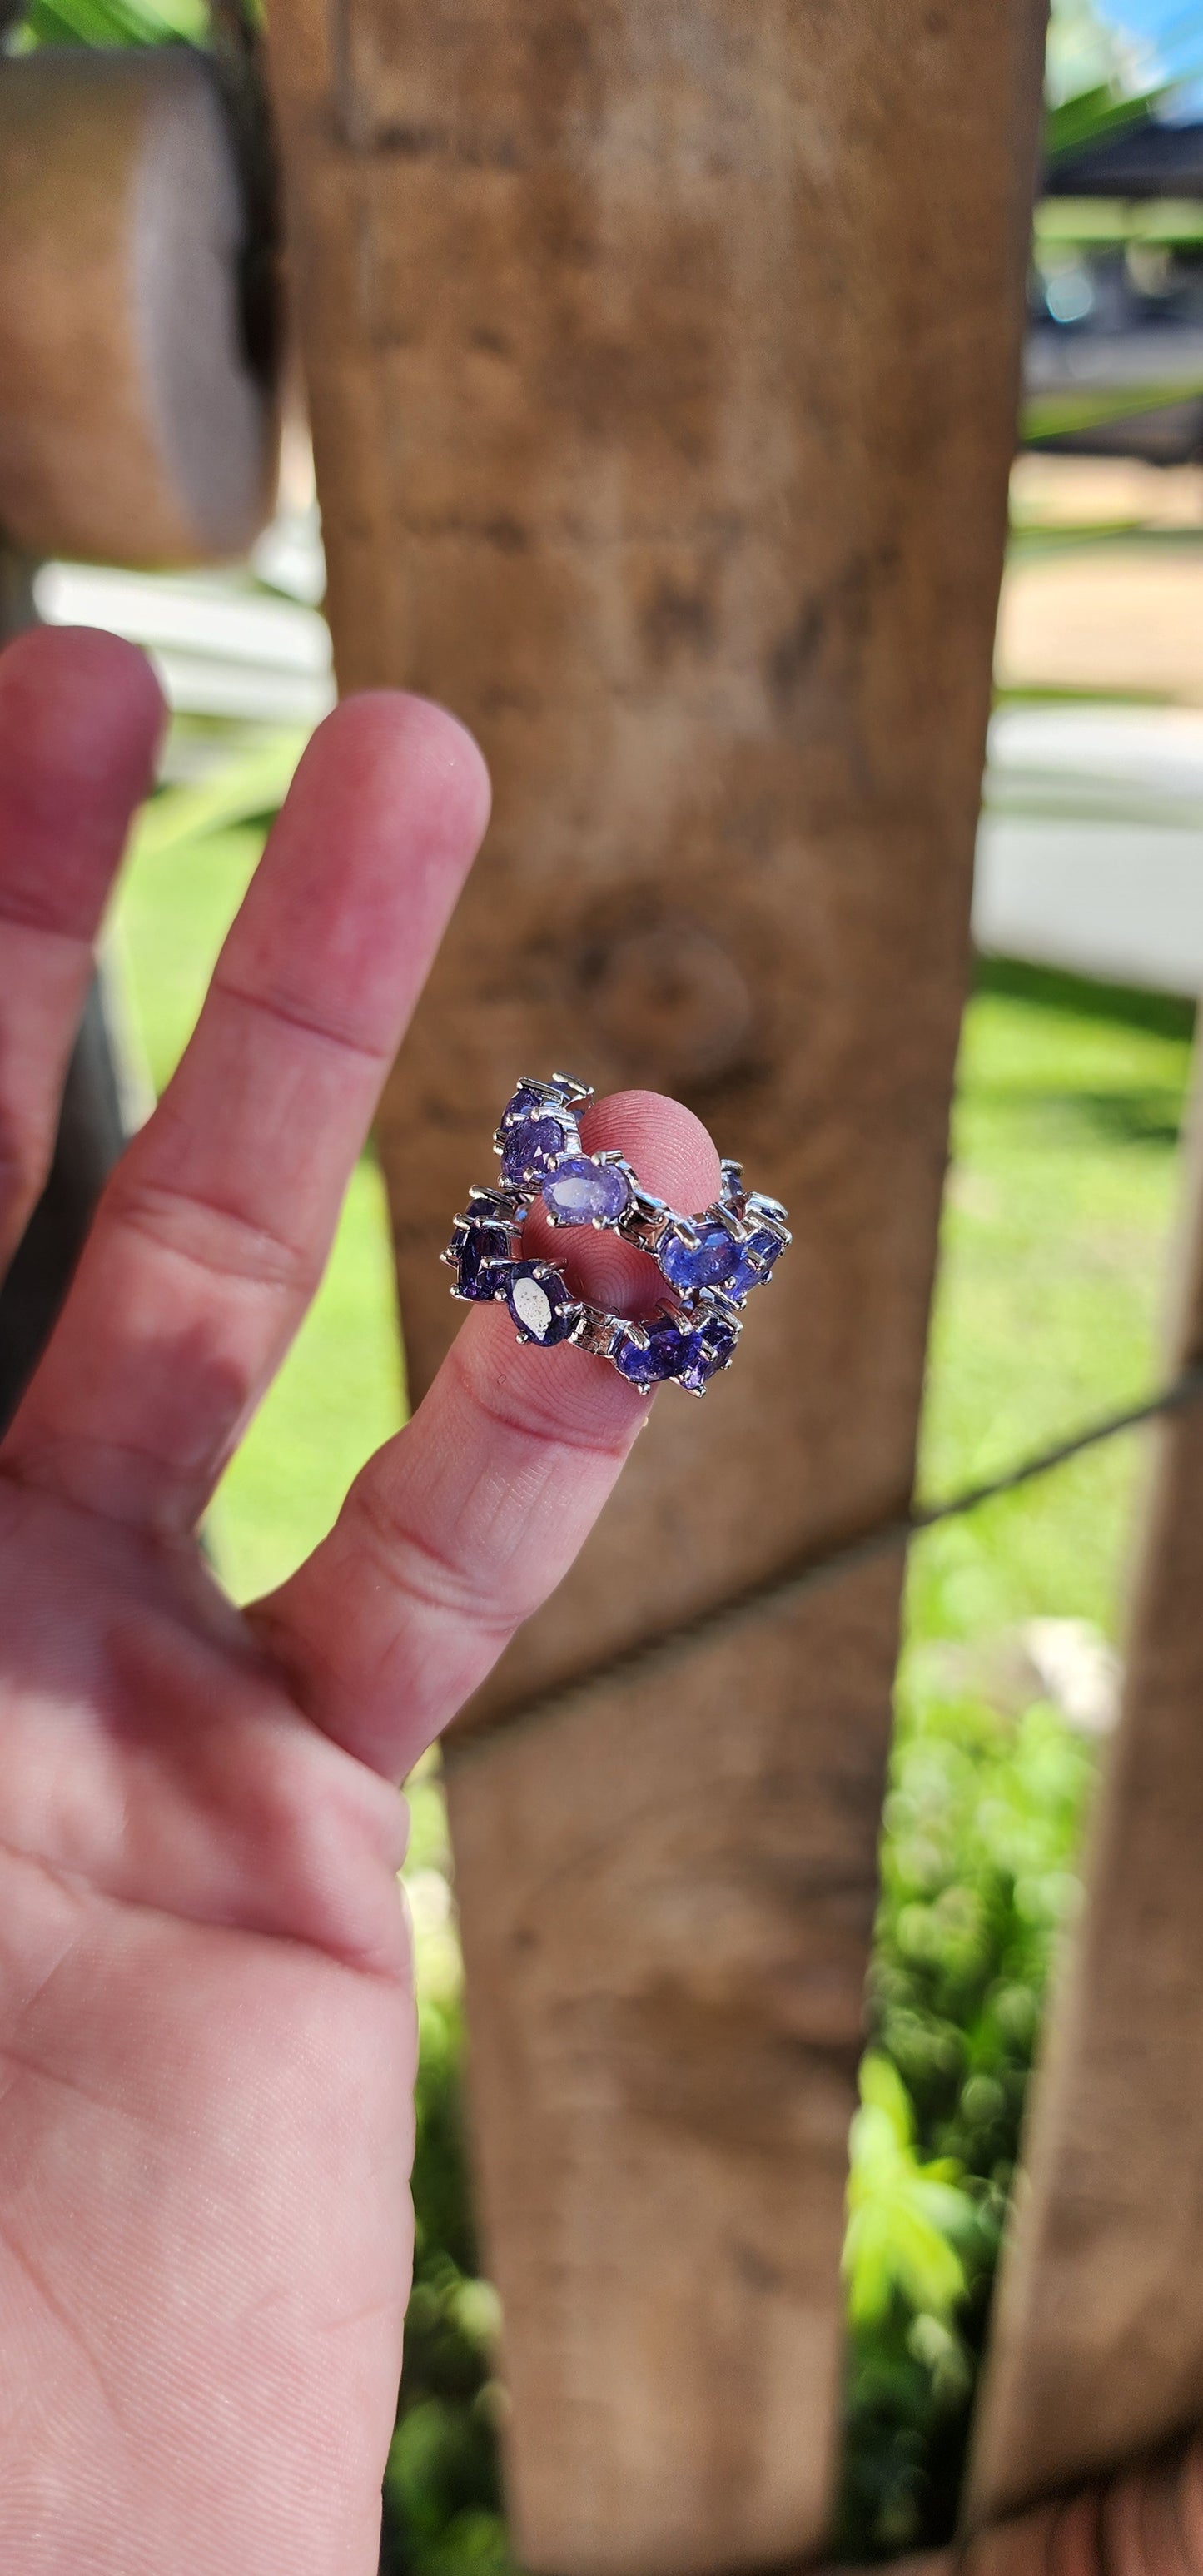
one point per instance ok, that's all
(663, 368)
(1096, 2348)
(667, 1897)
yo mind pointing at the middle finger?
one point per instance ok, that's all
(213, 1231)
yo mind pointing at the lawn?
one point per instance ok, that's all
(339, 1393)
(1058, 1215)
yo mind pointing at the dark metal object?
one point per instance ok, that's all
(90, 1138)
(90, 1135)
(237, 54)
(16, 592)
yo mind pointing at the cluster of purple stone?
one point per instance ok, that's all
(709, 1262)
(689, 1347)
(732, 1248)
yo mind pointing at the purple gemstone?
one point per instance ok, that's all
(481, 1249)
(666, 1348)
(525, 1104)
(708, 1351)
(531, 1150)
(543, 1308)
(706, 1264)
(582, 1192)
(750, 1272)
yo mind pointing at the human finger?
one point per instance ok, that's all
(80, 718)
(214, 1229)
(463, 1524)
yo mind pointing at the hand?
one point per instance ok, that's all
(206, 2031)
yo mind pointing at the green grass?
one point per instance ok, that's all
(339, 1392)
(1054, 1252)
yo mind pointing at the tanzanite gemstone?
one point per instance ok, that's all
(707, 1264)
(483, 1253)
(524, 1104)
(756, 1260)
(582, 1192)
(666, 1349)
(543, 1308)
(531, 1149)
(707, 1351)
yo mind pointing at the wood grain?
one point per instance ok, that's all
(1096, 2349)
(663, 366)
(666, 1899)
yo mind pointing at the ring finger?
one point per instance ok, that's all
(80, 717)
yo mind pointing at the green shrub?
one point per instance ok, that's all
(442, 2500)
(982, 1830)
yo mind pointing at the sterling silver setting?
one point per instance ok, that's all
(709, 1263)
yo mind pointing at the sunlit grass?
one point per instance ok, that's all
(1055, 1247)
(339, 1392)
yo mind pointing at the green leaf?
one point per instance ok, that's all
(903, 2217)
(116, 22)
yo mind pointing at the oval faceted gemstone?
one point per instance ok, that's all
(531, 1150)
(666, 1349)
(707, 1351)
(539, 1302)
(749, 1272)
(582, 1192)
(706, 1264)
(523, 1104)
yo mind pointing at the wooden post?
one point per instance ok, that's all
(137, 423)
(662, 365)
(1096, 2348)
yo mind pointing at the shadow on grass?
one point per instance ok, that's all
(1164, 1015)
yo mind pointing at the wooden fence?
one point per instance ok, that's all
(662, 358)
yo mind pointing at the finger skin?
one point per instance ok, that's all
(215, 1227)
(81, 715)
(460, 1527)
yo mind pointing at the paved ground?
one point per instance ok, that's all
(1090, 854)
(1090, 848)
(1112, 618)
(1104, 588)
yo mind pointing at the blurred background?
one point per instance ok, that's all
(1074, 1067)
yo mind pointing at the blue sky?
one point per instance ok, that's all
(1172, 28)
